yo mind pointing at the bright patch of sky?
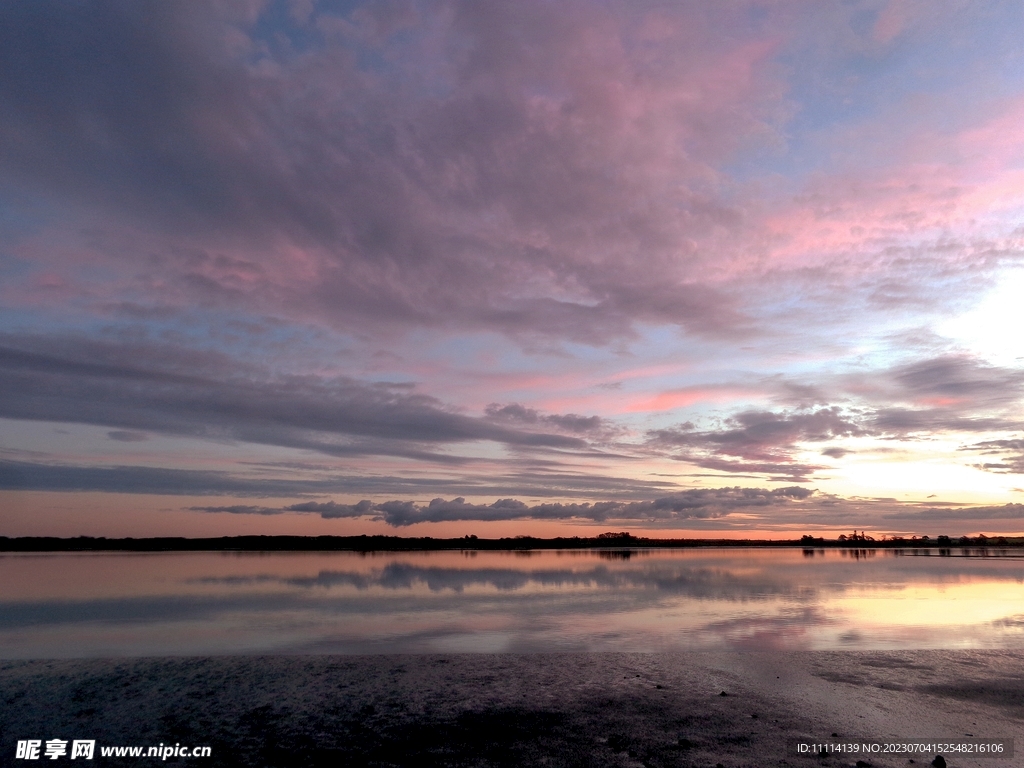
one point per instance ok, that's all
(992, 329)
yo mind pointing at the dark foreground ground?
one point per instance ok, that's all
(516, 710)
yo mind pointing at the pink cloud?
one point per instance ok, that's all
(851, 220)
(892, 20)
(556, 187)
(681, 398)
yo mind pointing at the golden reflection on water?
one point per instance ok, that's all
(101, 604)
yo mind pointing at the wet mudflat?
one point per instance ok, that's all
(581, 709)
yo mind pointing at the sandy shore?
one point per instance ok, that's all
(518, 710)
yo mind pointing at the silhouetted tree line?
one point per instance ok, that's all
(381, 543)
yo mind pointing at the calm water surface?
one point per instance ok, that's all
(79, 605)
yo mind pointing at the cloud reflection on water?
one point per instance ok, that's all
(195, 603)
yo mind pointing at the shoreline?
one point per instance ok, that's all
(594, 709)
(381, 543)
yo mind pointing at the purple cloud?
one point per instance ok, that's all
(136, 388)
(127, 436)
(695, 504)
(461, 192)
(757, 441)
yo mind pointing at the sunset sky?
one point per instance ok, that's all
(445, 268)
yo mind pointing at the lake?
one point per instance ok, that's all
(147, 604)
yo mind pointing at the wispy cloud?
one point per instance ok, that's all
(757, 441)
(135, 389)
(963, 514)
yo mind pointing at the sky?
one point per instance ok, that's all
(744, 268)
